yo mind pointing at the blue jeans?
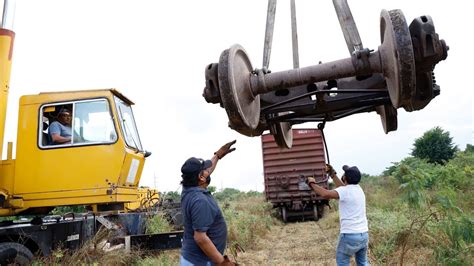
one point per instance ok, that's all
(185, 262)
(352, 245)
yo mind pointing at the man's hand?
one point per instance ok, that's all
(226, 149)
(330, 170)
(226, 262)
(310, 180)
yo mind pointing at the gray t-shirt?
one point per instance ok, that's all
(58, 128)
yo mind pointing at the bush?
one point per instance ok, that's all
(469, 148)
(405, 170)
(61, 210)
(440, 203)
(170, 195)
(228, 194)
(158, 224)
(430, 212)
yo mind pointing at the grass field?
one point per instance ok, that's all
(419, 213)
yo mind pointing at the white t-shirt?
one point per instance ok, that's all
(352, 209)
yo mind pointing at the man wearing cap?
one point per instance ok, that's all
(60, 131)
(205, 230)
(354, 236)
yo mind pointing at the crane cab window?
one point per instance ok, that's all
(128, 125)
(77, 123)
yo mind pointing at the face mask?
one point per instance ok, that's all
(208, 179)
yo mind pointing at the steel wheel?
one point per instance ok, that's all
(315, 212)
(398, 60)
(284, 214)
(241, 105)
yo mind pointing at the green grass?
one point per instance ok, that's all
(248, 218)
(158, 224)
(418, 214)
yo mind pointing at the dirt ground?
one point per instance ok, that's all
(304, 243)
(296, 243)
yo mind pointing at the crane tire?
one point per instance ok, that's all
(14, 253)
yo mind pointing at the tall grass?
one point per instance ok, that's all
(423, 213)
(247, 219)
(158, 223)
(92, 252)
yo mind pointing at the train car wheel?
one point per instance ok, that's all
(284, 214)
(315, 212)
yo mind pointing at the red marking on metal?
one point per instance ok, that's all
(5, 32)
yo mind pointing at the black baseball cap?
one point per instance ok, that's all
(193, 166)
(352, 174)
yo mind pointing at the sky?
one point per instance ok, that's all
(155, 53)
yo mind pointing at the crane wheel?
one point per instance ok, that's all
(12, 253)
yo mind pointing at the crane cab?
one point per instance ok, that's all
(99, 165)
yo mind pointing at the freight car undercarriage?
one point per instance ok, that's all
(302, 210)
(300, 205)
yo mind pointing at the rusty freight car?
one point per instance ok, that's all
(285, 172)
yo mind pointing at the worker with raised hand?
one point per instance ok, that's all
(354, 236)
(205, 230)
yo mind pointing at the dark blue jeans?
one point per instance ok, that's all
(352, 245)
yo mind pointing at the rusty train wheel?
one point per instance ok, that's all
(398, 62)
(283, 134)
(241, 105)
(388, 115)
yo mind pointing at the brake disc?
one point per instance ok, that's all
(241, 105)
(428, 50)
(398, 63)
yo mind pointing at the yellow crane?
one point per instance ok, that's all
(100, 165)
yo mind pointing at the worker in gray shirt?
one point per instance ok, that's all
(60, 131)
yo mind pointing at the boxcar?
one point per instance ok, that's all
(285, 172)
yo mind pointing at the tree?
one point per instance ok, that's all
(171, 195)
(435, 145)
(212, 189)
(469, 148)
(227, 194)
